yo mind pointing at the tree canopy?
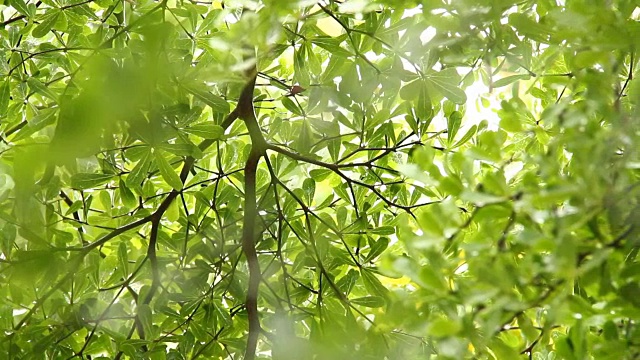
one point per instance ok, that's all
(352, 179)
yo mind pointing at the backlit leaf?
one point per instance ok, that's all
(166, 170)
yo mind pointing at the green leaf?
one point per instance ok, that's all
(631, 292)
(62, 23)
(332, 45)
(300, 66)
(128, 198)
(466, 137)
(41, 89)
(21, 6)
(509, 79)
(75, 206)
(290, 105)
(502, 350)
(206, 131)
(43, 119)
(46, 24)
(217, 103)
(372, 284)
(83, 181)
(530, 28)
(481, 199)
(145, 316)
(334, 68)
(442, 327)
(309, 188)
(347, 282)
(123, 259)
(305, 138)
(446, 83)
(167, 172)
(432, 278)
(139, 171)
(380, 116)
(377, 247)
(526, 325)
(453, 125)
(411, 90)
(181, 149)
(173, 212)
(320, 175)
(5, 93)
(383, 230)
(369, 301)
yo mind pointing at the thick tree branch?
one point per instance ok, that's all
(248, 247)
(258, 148)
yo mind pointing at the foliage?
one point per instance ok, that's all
(183, 179)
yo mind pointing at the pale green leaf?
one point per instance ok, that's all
(509, 79)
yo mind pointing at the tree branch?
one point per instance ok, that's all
(258, 148)
(248, 247)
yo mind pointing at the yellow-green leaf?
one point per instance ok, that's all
(166, 170)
